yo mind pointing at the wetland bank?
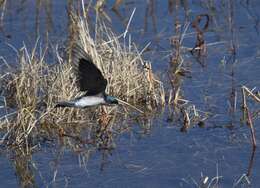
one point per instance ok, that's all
(187, 72)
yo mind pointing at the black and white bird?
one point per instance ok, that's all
(90, 80)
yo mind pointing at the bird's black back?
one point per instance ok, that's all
(89, 77)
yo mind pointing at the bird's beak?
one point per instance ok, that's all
(115, 101)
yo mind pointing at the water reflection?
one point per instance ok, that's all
(24, 167)
(94, 140)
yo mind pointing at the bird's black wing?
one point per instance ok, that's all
(89, 77)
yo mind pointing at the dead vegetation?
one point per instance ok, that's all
(183, 109)
(32, 89)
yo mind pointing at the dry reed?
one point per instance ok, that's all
(33, 88)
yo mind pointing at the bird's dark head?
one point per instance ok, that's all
(111, 99)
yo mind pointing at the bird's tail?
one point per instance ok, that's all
(65, 104)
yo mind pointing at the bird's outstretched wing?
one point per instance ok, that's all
(89, 77)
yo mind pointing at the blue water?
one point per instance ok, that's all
(162, 156)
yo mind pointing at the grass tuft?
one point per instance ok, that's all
(31, 90)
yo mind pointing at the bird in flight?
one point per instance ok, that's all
(90, 80)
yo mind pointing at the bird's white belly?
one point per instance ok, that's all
(89, 101)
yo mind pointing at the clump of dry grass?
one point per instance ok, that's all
(22, 88)
(35, 86)
(129, 77)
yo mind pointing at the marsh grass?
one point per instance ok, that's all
(34, 86)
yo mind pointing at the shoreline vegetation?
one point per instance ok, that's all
(31, 89)
(34, 86)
